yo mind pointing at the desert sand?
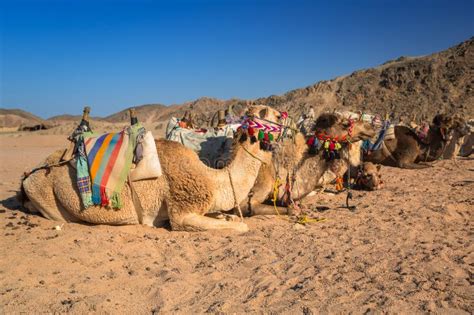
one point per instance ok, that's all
(407, 248)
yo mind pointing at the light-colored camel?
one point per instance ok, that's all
(184, 194)
(305, 172)
(460, 132)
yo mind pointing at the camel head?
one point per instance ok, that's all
(445, 125)
(461, 126)
(369, 177)
(337, 126)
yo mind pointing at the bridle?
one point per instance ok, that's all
(323, 136)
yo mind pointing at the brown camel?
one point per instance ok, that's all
(304, 171)
(185, 192)
(406, 149)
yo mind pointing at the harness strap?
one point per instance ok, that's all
(44, 167)
(253, 155)
(236, 204)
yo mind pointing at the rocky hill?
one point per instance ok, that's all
(13, 119)
(407, 86)
(441, 82)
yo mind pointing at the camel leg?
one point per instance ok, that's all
(268, 210)
(412, 166)
(196, 222)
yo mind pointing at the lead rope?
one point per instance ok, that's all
(349, 192)
(236, 204)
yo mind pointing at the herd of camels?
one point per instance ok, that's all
(189, 191)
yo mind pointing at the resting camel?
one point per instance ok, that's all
(185, 192)
(406, 149)
(460, 133)
(292, 159)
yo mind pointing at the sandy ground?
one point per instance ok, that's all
(406, 249)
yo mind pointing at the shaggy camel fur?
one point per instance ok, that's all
(406, 149)
(184, 194)
(292, 158)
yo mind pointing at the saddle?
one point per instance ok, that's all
(105, 161)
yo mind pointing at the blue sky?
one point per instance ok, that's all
(57, 56)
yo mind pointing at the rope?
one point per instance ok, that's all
(44, 167)
(304, 219)
(276, 186)
(236, 204)
(253, 155)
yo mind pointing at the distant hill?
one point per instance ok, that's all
(406, 86)
(67, 117)
(441, 82)
(14, 118)
(144, 113)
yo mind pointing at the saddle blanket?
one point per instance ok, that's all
(105, 161)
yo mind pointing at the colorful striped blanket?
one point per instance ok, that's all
(109, 160)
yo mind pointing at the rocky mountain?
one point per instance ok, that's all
(407, 86)
(441, 82)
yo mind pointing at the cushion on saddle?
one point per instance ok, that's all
(149, 166)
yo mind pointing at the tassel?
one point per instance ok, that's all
(251, 131)
(243, 137)
(316, 143)
(116, 201)
(270, 136)
(96, 194)
(332, 146)
(310, 141)
(265, 137)
(260, 134)
(103, 197)
(326, 144)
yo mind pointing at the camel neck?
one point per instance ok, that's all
(433, 150)
(243, 170)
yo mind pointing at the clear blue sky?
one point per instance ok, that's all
(57, 56)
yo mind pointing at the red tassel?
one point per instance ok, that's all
(103, 197)
(332, 146)
(310, 141)
(265, 137)
(251, 131)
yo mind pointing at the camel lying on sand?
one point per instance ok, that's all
(305, 171)
(406, 149)
(185, 192)
(457, 138)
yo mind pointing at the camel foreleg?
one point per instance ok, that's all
(412, 166)
(268, 210)
(196, 222)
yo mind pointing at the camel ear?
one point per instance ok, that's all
(263, 113)
(379, 166)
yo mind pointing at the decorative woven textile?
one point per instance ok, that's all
(109, 159)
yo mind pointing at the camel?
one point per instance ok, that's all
(461, 131)
(468, 143)
(185, 192)
(406, 150)
(304, 170)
